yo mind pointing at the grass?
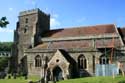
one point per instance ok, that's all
(118, 79)
(20, 80)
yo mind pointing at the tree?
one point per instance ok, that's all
(3, 63)
(3, 22)
(6, 46)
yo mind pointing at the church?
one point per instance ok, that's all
(64, 53)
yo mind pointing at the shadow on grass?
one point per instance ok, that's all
(123, 81)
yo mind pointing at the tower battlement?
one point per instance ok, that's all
(32, 11)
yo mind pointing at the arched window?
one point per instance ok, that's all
(104, 60)
(82, 64)
(25, 29)
(38, 61)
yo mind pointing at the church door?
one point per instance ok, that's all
(57, 73)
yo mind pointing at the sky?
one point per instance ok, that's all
(64, 13)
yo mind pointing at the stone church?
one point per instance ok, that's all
(64, 53)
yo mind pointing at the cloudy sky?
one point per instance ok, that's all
(65, 13)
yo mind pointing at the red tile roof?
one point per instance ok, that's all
(81, 31)
(78, 44)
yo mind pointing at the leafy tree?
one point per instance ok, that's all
(3, 63)
(5, 46)
(3, 22)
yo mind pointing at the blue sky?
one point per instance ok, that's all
(65, 13)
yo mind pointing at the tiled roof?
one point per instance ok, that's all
(78, 44)
(81, 31)
(65, 45)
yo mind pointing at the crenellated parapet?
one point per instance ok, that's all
(33, 11)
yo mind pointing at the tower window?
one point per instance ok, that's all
(25, 29)
(26, 21)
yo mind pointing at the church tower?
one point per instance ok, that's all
(32, 24)
(30, 27)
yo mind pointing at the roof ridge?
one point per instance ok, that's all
(76, 27)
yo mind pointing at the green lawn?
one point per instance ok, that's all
(118, 79)
(19, 80)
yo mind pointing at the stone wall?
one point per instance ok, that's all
(31, 25)
(74, 55)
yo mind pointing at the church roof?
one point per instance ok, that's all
(81, 31)
(72, 44)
